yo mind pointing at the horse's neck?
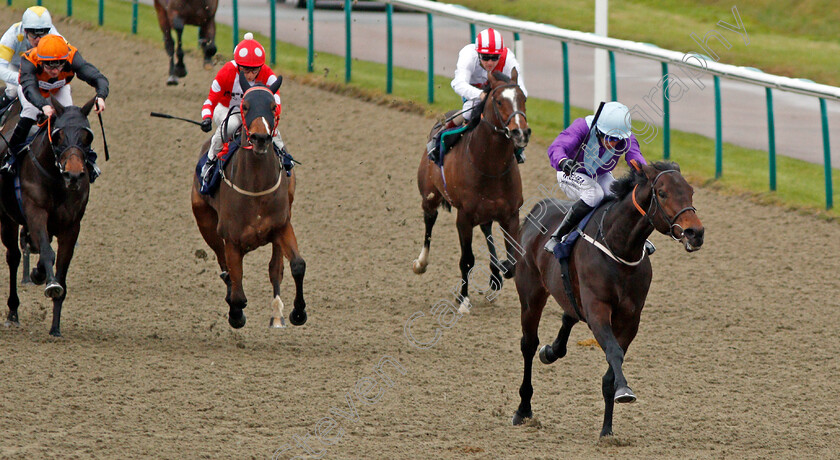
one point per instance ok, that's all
(490, 149)
(258, 170)
(625, 228)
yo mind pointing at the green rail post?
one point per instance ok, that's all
(134, 14)
(39, 2)
(829, 194)
(771, 139)
(566, 104)
(101, 11)
(273, 32)
(613, 86)
(310, 53)
(9, 2)
(348, 11)
(235, 23)
(69, 7)
(431, 35)
(718, 132)
(472, 33)
(666, 115)
(389, 13)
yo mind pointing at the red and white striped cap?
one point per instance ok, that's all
(489, 41)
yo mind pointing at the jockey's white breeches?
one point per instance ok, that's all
(467, 108)
(579, 186)
(28, 110)
(233, 123)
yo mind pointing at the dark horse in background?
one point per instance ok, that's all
(610, 281)
(54, 190)
(174, 14)
(252, 208)
(480, 177)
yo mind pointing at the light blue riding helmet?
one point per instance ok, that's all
(614, 120)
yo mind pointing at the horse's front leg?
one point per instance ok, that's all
(180, 68)
(532, 298)
(168, 43)
(614, 385)
(275, 274)
(557, 350)
(207, 41)
(465, 231)
(510, 232)
(66, 247)
(236, 293)
(298, 267)
(495, 276)
(9, 235)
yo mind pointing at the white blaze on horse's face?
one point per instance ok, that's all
(510, 94)
(265, 123)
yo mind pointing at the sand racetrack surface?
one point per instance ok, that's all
(736, 356)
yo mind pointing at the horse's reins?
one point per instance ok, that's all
(503, 131)
(648, 215)
(671, 221)
(247, 136)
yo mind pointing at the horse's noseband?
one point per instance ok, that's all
(60, 153)
(504, 130)
(671, 221)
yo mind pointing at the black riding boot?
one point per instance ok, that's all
(16, 143)
(519, 153)
(92, 167)
(286, 159)
(576, 213)
(5, 101)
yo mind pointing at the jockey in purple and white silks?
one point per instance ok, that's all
(584, 157)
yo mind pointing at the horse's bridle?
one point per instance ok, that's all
(504, 130)
(671, 221)
(245, 124)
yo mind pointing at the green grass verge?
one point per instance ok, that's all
(800, 184)
(795, 38)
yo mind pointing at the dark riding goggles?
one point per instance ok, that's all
(610, 138)
(37, 33)
(249, 69)
(58, 64)
(489, 57)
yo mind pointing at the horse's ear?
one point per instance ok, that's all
(491, 79)
(276, 85)
(514, 76)
(87, 107)
(243, 82)
(635, 165)
(59, 109)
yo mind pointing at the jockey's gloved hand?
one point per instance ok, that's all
(206, 125)
(568, 166)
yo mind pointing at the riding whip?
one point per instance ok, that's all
(172, 117)
(104, 142)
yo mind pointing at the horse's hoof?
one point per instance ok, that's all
(509, 269)
(37, 276)
(54, 290)
(624, 395)
(465, 306)
(236, 321)
(12, 318)
(180, 71)
(496, 282)
(208, 65)
(27, 281)
(297, 317)
(277, 323)
(172, 80)
(418, 267)
(520, 419)
(547, 355)
(55, 332)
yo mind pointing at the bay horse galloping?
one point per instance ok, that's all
(174, 14)
(252, 208)
(54, 190)
(480, 177)
(609, 272)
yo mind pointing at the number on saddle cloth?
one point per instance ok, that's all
(564, 249)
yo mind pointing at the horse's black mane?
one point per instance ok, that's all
(622, 187)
